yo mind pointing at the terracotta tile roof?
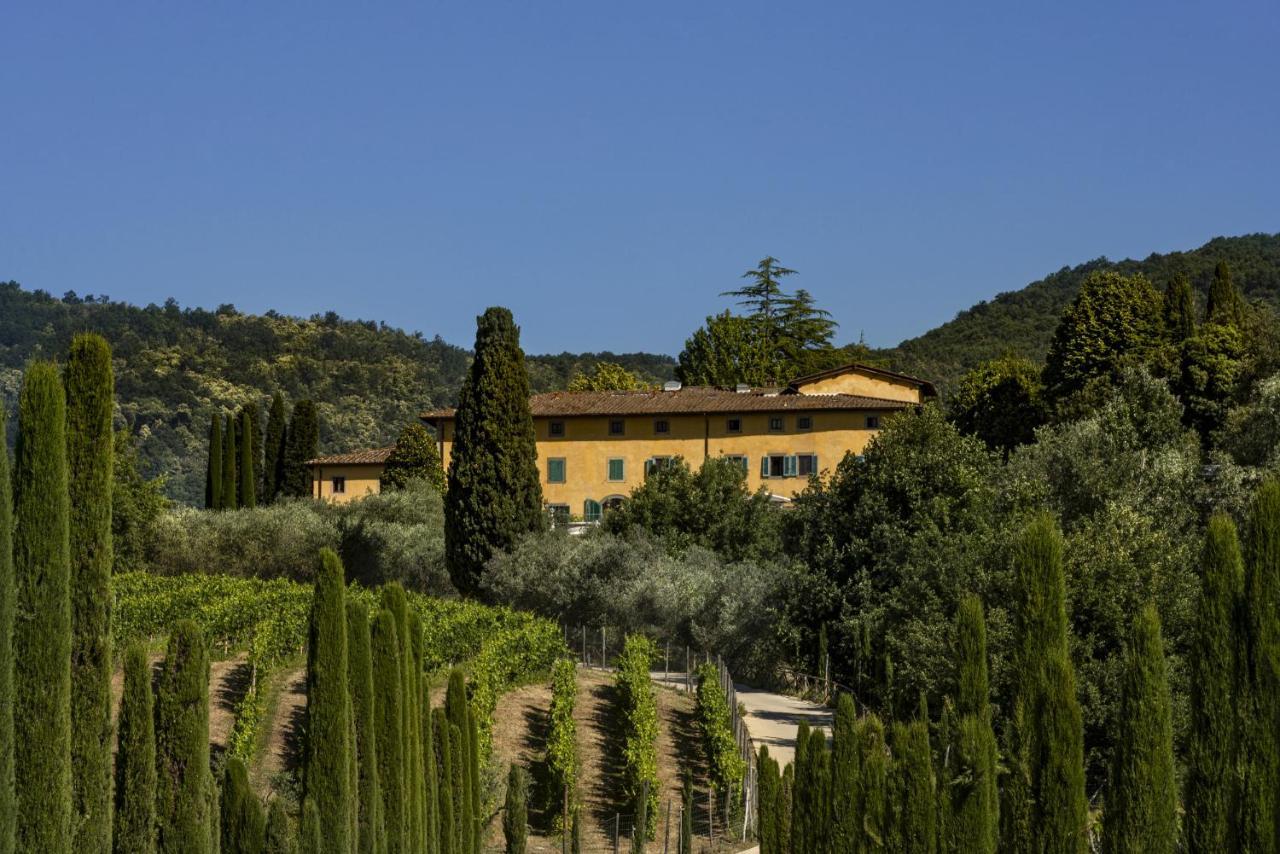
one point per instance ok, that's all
(925, 386)
(693, 400)
(370, 456)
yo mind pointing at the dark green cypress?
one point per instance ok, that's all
(244, 826)
(360, 680)
(279, 839)
(429, 770)
(948, 730)
(310, 831)
(1017, 833)
(182, 745)
(326, 765)
(1141, 800)
(873, 778)
(90, 388)
(273, 451)
(473, 758)
(494, 493)
(1211, 755)
(7, 594)
(458, 789)
(230, 459)
(768, 783)
(394, 600)
(42, 616)
(417, 773)
(388, 683)
(448, 834)
(844, 775)
(915, 820)
(135, 789)
(213, 473)
(1260, 684)
(302, 443)
(1225, 305)
(214, 797)
(1179, 309)
(686, 814)
(1061, 808)
(802, 794)
(456, 707)
(974, 813)
(247, 473)
(515, 815)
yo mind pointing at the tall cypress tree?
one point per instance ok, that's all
(42, 616)
(90, 389)
(473, 757)
(802, 798)
(302, 443)
(360, 680)
(327, 759)
(1017, 835)
(447, 840)
(844, 775)
(1061, 808)
(413, 650)
(1258, 749)
(494, 493)
(244, 827)
(388, 682)
(974, 793)
(230, 459)
(247, 472)
(273, 451)
(429, 769)
(767, 802)
(873, 778)
(1179, 309)
(456, 707)
(515, 816)
(310, 829)
(1142, 803)
(7, 593)
(279, 839)
(135, 790)
(914, 815)
(1225, 306)
(458, 788)
(394, 600)
(213, 473)
(1210, 801)
(183, 799)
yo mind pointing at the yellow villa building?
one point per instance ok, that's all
(594, 447)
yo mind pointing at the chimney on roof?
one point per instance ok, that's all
(742, 388)
(671, 385)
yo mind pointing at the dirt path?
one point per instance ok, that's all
(228, 683)
(282, 730)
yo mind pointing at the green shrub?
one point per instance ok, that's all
(715, 724)
(640, 726)
(562, 741)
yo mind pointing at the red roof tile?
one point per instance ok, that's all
(371, 456)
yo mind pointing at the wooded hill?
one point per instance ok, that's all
(1022, 321)
(175, 366)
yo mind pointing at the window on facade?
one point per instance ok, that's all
(662, 426)
(806, 465)
(873, 422)
(555, 470)
(655, 463)
(740, 459)
(775, 423)
(617, 427)
(779, 465)
(804, 422)
(617, 470)
(339, 485)
(733, 425)
(558, 514)
(555, 429)
(591, 510)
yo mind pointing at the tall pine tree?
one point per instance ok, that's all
(183, 799)
(1260, 684)
(90, 388)
(135, 785)
(360, 680)
(213, 473)
(247, 472)
(42, 616)
(273, 446)
(230, 495)
(7, 593)
(388, 683)
(1142, 801)
(302, 443)
(1210, 788)
(494, 494)
(327, 757)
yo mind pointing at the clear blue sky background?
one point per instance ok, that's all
(606, 169)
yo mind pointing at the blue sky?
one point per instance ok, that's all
(606, 169)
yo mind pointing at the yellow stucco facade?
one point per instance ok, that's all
(341, 483)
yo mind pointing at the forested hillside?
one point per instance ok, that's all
(1022, 321)
(175, 366)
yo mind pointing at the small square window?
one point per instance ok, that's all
(775, 423)
(804, 422)
(617, 427)
(339, 485)
(555, 470)
(555, 429)
(873, 422)
(662, 425)
(617, 470)
(733, 425)
(807, 465)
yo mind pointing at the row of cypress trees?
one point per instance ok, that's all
(873, 790)
(247, 468)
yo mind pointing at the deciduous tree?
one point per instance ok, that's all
(415, 457)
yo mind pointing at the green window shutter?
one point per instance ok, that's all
(555, 470)
(789, 466)
(746, 466)
(591, 510)
(764, 466)
(617, 470)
